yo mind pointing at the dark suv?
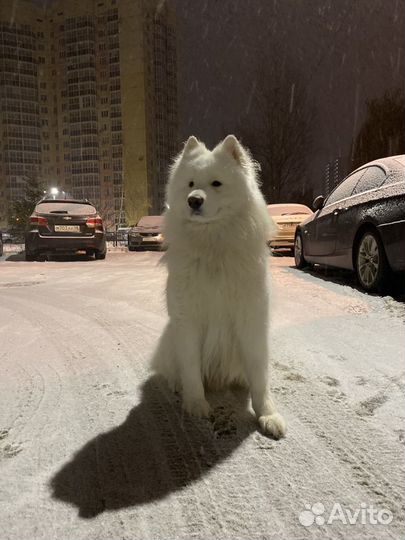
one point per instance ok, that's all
(63, 226)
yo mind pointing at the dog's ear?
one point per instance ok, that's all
(190, 145)
(232, 146)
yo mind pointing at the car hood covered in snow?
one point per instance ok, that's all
(149, 224)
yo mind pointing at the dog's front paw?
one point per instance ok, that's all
(196, 407)
(273, 425)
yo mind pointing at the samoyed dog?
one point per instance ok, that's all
(216, 228)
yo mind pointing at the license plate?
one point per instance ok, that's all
(149, 239)
(67, 228)
(288, 225)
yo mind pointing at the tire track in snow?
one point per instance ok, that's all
(356, 451)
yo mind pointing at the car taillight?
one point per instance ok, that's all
(38, 220)
(95, 223)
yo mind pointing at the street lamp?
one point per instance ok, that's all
(54, 191)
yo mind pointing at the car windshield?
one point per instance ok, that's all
(151, 222)
(63, 207)
(288, 209)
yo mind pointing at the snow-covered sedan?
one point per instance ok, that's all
(147, 234)
(286, 217)
(360, 226)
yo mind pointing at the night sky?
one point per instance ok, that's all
(344, 51)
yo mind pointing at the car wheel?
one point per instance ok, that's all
(99, 255)
(372, 267)
(131, 248)
(300, 261)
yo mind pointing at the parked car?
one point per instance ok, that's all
(286, 218)
(110, 236)
(360, 226)
(65, 226)
(147, 234)
(7, 237)
(122, 234)
(13, 236)
(1, 244)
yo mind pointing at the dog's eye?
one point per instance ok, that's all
(191, 184)
(216, 183)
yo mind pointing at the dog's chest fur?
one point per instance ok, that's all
(215, 295)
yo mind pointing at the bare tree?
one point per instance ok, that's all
(107, 212)
(22, 208)
(281, 137)
(383, 131)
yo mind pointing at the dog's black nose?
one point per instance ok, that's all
(195, 202)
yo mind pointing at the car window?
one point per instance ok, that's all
(345, 188)
(151, 221)
(65, 207)
(373, 178)
(395, 176)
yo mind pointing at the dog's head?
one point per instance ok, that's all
(207, 186)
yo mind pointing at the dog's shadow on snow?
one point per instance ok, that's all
(157, 450)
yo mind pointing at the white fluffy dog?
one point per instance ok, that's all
(216, 229)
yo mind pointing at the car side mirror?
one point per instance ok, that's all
(318, 202)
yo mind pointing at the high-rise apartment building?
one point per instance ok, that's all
(88, 101)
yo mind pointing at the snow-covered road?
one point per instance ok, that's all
(93, 447)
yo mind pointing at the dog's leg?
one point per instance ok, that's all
(256, 354)
(163, 361)
(189, 364)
